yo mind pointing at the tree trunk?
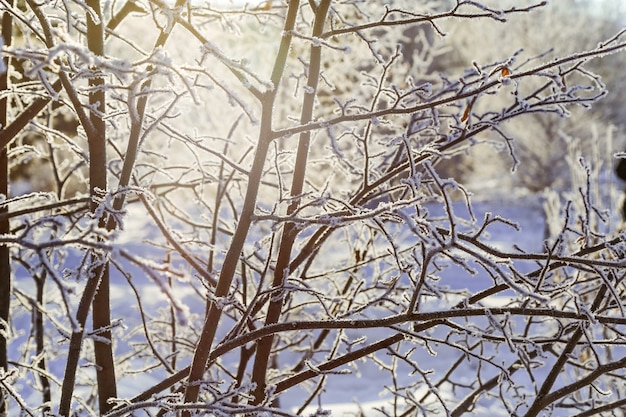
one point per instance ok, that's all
(101, 311)
(5, 267)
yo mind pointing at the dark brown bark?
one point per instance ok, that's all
(5, 267)
(103, 347)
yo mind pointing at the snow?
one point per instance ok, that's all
(346, 394)
(360, 391)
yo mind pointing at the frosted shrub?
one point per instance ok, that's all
(259, 207)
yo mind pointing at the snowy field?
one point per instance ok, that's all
(345, 395)
(350, 395)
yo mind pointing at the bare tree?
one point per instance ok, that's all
(269, 211)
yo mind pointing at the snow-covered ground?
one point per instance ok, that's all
(362, 392)
(359, 391)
